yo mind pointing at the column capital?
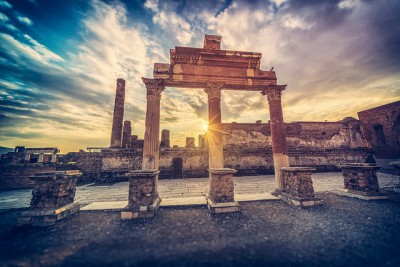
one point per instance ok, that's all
(213, 90)
(154, 86)
(273, 92)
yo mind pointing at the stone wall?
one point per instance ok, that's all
(381, 128)
(345, 134)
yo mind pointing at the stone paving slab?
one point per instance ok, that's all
(110, 205)
(254, 197)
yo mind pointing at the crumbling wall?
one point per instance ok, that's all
(381, 128)
(345, 134)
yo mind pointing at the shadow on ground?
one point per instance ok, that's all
(342, 232)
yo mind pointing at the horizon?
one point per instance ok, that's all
(60, 62)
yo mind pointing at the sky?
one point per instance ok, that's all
(59, 61)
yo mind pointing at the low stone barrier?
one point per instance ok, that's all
(52, 198)
(396, 166)
(298, 187)
(143, 199)
(220, 198)
(360, 181)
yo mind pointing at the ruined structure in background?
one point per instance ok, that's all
(118, 118)
(127, 135)
(381, 129)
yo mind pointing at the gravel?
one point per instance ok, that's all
(342, 232)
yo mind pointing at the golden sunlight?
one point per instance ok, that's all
(205, 126)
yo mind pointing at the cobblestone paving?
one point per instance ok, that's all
(190, 187)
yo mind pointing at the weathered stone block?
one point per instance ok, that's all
(143, 199)
(360, 181)
(298, 188)
(221, 192)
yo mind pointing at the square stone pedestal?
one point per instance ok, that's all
(143, 199)
(52, 198)
(298, 187)
(360, 181)
(220, 197)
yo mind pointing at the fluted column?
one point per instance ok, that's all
(214, 134)
(278, 132)
(151, 148)
(118, 117)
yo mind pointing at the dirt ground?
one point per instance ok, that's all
(342, 232)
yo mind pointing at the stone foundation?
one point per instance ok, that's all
(143, 199)
(396, 166)
(220, 198)
(360, 181)
(52, 198)
(298, 187)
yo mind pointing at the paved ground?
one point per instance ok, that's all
(185, 188)
(342, 232)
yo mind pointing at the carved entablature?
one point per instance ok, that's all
(154, 86)
(187, 59)
(274, 92)
(213, 90)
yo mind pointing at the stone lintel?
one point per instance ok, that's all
(141, 212)
(219, 171)
(142, 173)
(226, 207)
(359, 166)
(47, 217)
(51, 174)
(298, 169)
(299, 201)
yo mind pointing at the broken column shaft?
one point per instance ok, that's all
(126, 135)
(116, 132)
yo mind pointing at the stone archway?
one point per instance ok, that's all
(213, 70)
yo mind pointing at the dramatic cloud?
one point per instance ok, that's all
(58, 83)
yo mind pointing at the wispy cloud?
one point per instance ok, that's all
(25, 20)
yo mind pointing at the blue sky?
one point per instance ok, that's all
(59, 61)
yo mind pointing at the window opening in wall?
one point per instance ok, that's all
(379, 135)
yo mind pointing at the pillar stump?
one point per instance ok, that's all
(143, 199)
(52, 198)
(360, 181)
(298, 187)
(220, 197)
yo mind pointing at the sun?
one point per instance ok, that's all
(205, 126)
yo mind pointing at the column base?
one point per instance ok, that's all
(277, 192)
(300, 201)
(362, 195)
(226, 207)
(129, 213)
(47, 217)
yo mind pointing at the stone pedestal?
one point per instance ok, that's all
(143, 200)
(220, 197)
(298, 187)
(52, 198)
(360, 181)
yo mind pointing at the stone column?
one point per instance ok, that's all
(190, 142)
(214, 135)
(165, 142)
(220, 197)
(53, 158)
(126, 134)
(116, 131)
(41, 158)
(278, 132)
(27, 158)
(151, 147)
